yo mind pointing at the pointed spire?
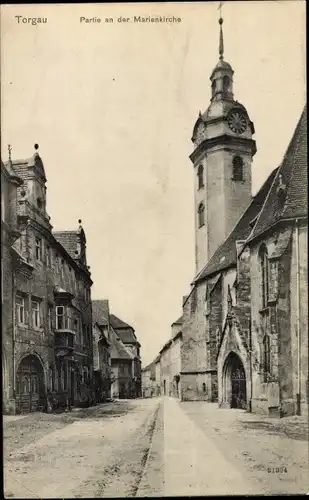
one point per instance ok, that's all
(221, 45)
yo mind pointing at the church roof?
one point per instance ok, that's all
(226, 256)
(100, 312)
(292, 175)
(178, 321)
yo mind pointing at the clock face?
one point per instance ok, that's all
(237, 121)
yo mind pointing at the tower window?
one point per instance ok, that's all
(201, 215)
(213, 87)
(263, 256)
(266, 356)
(238, 169)
(226, 84)
(200, 176)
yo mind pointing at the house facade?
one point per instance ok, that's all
(101, 350)
(126, 334)
(47, 340)
(149, 380)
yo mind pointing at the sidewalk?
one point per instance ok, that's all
(193, 465)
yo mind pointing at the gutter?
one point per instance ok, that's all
(13, 332)
(298, 395)
(251, 378)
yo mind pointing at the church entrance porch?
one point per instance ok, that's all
(234, 383)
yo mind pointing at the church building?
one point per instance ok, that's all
(244, 323)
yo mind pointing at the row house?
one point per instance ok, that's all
(126, 334)
(116, 351)
(101, 350)
(47, 324)
(148, 380)
(157, 363)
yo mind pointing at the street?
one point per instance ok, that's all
(153, 447)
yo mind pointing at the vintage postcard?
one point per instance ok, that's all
(154, 255)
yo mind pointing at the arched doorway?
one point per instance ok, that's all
(30, 385)
(234, 379)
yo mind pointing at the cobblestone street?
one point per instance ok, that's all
(144, 448)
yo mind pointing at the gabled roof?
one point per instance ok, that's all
(118, 323)
(118, 349)
(68, 239)
(226, 256)
(292, 174)
(100, 312)
(124, 331)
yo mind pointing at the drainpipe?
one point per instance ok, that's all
(298, 410)
(13, 332)
(250, 351)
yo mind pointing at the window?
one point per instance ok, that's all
(39, 203)
(35, 306)
(48, 256)
(38, 248)
(266, 356)
(226, 84)
(238, 164)
(21, 313)
(264, 264)
(60, 318)
(200, 176)
(50, 317)
(213, 87)
(69, 318)
(201, 215)
(64, 318)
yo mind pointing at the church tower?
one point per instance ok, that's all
(222, 158)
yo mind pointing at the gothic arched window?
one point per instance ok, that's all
(200, 176)
(266, 357)
(238, 169)
(226, 84)
(201, 215)
(264, 266)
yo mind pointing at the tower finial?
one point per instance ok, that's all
(221, 46)
(10, 152)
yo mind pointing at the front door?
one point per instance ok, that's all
(72, 387)
(239, 397)
(30, 385)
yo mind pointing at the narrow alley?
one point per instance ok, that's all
(153, 447)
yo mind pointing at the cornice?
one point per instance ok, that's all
(222, 140)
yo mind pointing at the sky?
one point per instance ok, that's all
(112, 107)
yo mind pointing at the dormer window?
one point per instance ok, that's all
(238, 169)
(200, 176)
